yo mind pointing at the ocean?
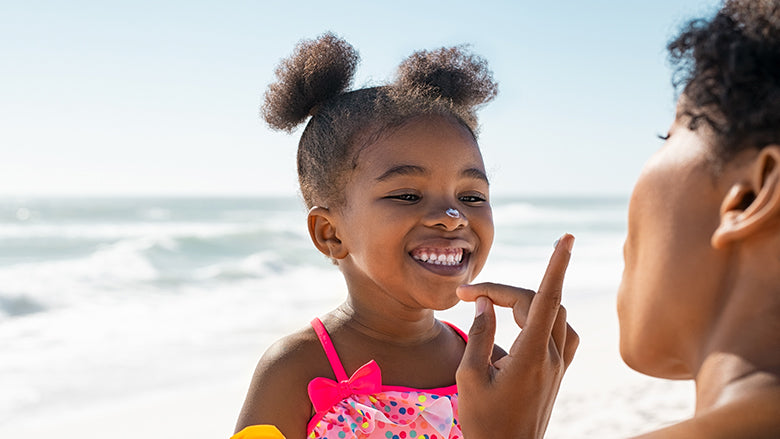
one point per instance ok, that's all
(110, 299)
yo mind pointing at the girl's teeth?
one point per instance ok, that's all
(440, 259)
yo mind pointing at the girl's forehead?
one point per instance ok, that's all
(421, 138)
(442, 150)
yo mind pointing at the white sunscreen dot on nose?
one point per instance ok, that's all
(452, 213)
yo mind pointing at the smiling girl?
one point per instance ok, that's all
(398, 199)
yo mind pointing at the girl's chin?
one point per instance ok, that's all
(444, 305)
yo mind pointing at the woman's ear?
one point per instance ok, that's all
(753, 203)
(322, 230)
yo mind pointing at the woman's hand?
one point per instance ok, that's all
(513, 397)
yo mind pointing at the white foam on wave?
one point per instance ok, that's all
(253, 266)
(118, 266)
(521, 213)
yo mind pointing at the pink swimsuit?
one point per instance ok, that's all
(361, 407)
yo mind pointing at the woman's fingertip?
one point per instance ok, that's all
(570, 243)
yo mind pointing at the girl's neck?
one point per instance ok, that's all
(407, 328)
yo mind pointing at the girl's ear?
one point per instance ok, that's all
(754, 202)
(322, 230)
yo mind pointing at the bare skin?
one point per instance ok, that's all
(721, 232)
(513, 397)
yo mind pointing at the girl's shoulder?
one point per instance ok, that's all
(278, 394)
(295, 359)
(300, 347)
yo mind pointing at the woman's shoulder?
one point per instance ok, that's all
(752, 417)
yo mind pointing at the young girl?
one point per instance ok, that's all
(399, 201)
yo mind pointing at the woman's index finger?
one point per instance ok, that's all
(544, 307)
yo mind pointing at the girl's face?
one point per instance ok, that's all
(402, 244)
(672, 274)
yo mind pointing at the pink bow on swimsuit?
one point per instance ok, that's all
(325, 393)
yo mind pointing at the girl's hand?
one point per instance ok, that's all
(513, 397)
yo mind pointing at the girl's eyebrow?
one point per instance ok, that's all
(476, 174)
(402, 170)
(414, 170)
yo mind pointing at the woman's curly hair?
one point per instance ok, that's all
(729, 71)
(314, 82)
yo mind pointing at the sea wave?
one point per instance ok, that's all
(155, 264)
(528, 214)
(62, 253)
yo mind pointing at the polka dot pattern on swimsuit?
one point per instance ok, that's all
(391, 415)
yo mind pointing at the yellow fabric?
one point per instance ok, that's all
(259, 432)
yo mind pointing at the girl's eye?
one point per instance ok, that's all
(472, 198)
(405, 197)
(664, 138)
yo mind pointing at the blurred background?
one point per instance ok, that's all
(152, 244)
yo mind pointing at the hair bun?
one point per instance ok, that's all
(450, 73)
(317, 71)
(759, 19)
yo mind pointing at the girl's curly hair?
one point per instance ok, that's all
(314, 82)
(729, 70)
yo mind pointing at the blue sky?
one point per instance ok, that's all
(161, 98)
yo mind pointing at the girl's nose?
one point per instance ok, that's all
(448, 218)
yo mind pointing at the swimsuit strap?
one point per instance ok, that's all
(330, 350)
(333, 357)
(458, 331)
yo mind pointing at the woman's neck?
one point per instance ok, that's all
(742, 356)
(727, 377)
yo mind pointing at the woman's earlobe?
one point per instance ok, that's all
(323, 233)
(753, 203)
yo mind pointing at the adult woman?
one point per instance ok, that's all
(700, 297)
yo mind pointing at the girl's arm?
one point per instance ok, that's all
(277, 394)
